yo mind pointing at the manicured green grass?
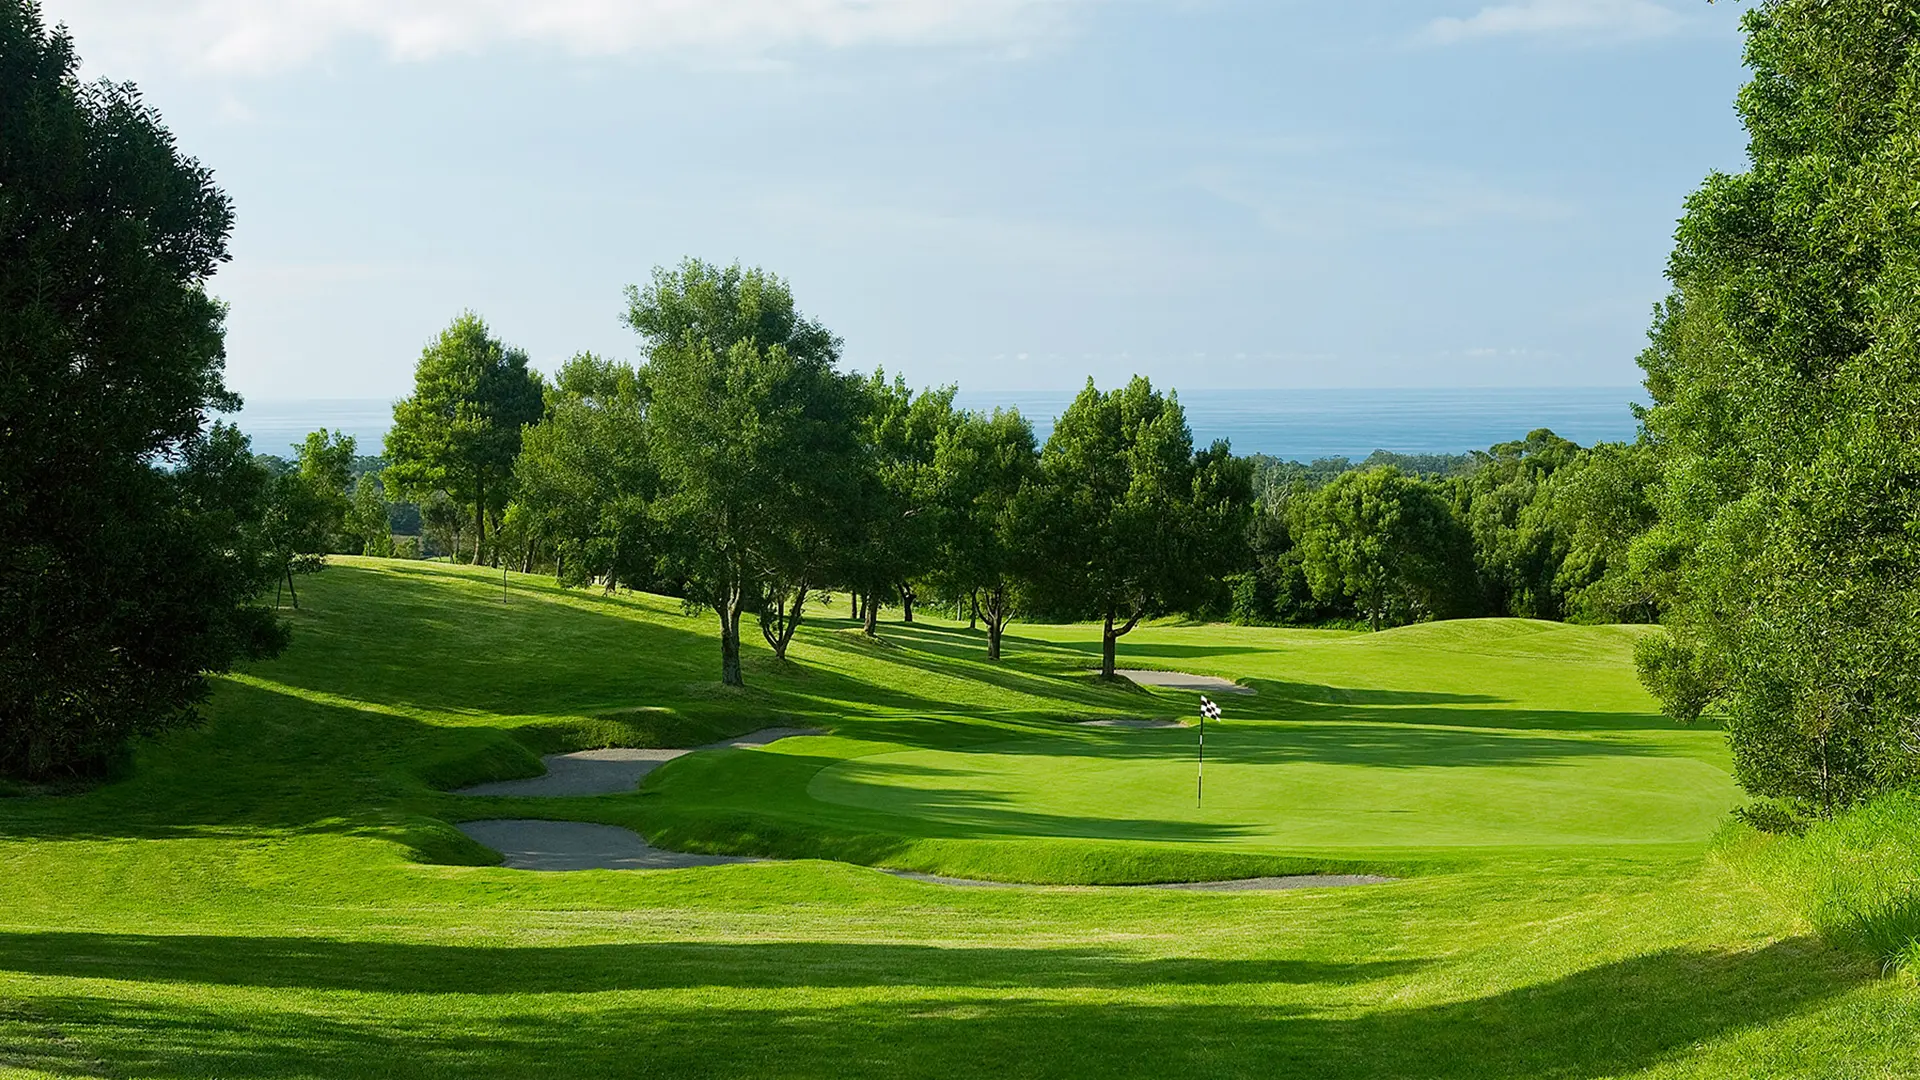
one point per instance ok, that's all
(280, 893)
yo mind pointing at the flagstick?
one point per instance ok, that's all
(1200, 777)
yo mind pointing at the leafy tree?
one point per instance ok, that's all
(895, 517)
(1128, 520)
(1388, 543)
(1785, 375)
(460, 431)
(128, 522)
(442, 524)
(586, 480)
(1602, 505)
(307, 507)
(370, 520)
(1516, 543)
(983, 464)
(324, 462)
(753, 430)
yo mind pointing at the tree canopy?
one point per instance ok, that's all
(753, 431)
(1785, 373)
(129, 523)
(1128, 520)
(459, 432)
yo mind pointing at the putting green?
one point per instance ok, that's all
(1281, 786)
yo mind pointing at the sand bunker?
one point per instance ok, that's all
(1131, 723)
(1180, 680)
(606, 772)
(580, 845)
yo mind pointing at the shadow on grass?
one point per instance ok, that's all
(1608, 1020)
(405, 968)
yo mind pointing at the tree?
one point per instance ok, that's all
(1388, 543)
(1517, 547)
(1602, 504)
(1128, 520)
(753, 430)
(370, 521)
(1785, 375)
(460, 431)
(896, 510)
(586, 480)
(983, 464)
(307, 507)
(128, 523)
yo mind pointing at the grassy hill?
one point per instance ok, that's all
(282, 893)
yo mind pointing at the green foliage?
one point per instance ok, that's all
(370, 519)
(1602, 504)
(131, 557)
(1507, 508)
(1784, 370)
(753, 432)
(896, 518)
(1388, 544)
(459, 432)
(984, 463)
(584, 478)
(1127, 520)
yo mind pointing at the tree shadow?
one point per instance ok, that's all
(987, 1015)
(413, 968)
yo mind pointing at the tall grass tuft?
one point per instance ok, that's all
(1855, 877)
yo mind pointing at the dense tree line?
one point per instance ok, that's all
(1785, 374)
(740, 468)
(1535, 528)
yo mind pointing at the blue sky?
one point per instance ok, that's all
(1007, 194)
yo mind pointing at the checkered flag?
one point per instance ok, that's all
(1208, 709)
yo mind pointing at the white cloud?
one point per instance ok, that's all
(1610, 20)
(263, 36)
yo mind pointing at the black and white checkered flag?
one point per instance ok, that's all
(1208, 709)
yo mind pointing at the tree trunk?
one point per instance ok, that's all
(871, 603)
(730, 641)
(853, 604)
(479, 519)
(291, 591)
(996, 619)
(906, 602)
(973, 610)
(1109, 636)
(779, 630)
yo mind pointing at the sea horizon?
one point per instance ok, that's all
(1292, 425)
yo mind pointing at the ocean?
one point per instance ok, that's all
(1294, 425)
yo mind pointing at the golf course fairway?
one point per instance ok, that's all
(282, 891)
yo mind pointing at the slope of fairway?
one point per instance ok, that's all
(281, 893)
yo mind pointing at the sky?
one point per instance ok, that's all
(1003, 194)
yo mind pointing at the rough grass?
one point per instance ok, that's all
(280, 892)
(1855, 877)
